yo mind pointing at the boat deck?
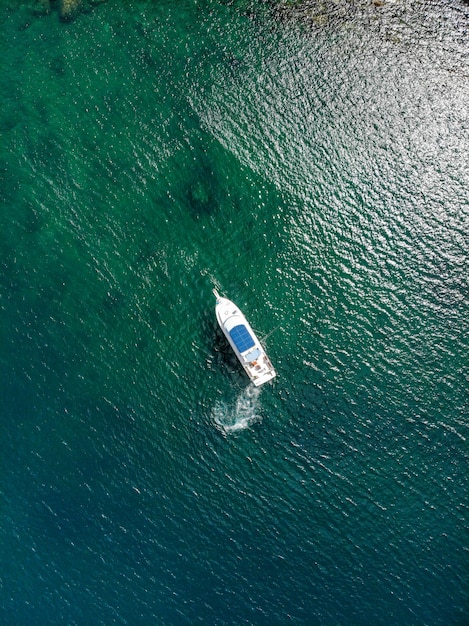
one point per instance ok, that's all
(243, 341)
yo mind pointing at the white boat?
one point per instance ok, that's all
(244, 342)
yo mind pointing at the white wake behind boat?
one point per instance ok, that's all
(244, 342)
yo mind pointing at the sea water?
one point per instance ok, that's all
(308, 160)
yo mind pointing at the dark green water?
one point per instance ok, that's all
(310, 163)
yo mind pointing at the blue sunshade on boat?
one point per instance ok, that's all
(241, 338)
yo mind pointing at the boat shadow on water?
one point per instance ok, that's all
(225, 357)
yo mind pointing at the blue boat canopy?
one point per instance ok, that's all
(242, 338)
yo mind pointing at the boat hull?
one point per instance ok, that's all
(243, 341)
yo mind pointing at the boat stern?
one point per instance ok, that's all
(264, 378)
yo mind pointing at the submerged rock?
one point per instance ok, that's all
(69, 8)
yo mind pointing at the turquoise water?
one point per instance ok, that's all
(310, 162)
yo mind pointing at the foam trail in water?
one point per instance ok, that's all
(240, 414)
